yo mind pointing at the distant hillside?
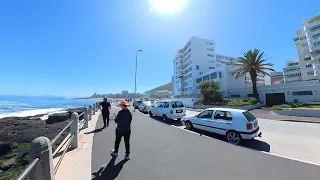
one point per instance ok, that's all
(167, 86)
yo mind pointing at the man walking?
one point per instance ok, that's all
(123, 121)
(105, 111)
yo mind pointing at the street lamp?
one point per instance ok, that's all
(135, 80)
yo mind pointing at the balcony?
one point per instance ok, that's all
(296, 39)
(307, 58)
(316, 69)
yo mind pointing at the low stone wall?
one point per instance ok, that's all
(249, 107)
(299, 112)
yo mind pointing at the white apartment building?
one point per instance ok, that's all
(196, 59)
(223, 75)
(307, 43)
(292, 71)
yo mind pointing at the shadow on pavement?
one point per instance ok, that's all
(94, 131)
(110, 172)
(169, 121)
(254, 144)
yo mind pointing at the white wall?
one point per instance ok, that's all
(189, 102)
(287, 89)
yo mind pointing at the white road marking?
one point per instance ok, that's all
(272, 154)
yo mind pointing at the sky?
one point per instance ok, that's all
(79, 47)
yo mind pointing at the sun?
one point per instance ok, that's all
(167, 6)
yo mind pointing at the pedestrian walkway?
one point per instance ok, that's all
(76, 164)
(160, 151)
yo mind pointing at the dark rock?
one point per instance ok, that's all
(6, 147)
(58, 117)
(1, 171)
(7, 164)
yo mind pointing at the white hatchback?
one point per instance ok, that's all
(235, 124)
(168, 109)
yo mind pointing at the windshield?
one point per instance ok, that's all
(177, 104)
(249, 116)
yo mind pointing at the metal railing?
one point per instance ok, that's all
(40, 153)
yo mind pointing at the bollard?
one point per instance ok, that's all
(41, 148)
(90, 112)
(74, 129)
(93, 109)
(85, 117)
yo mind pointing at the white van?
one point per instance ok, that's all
(168, 109)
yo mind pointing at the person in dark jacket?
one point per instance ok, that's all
(123, 121)
(105, 111)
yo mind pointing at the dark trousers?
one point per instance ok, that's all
(105, 117)
(126, 136)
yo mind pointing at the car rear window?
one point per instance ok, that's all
(177, 104)
(249, 116)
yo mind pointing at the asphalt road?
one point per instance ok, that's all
(161, 151)
(296, 140)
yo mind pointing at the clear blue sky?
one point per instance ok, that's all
(78, 47)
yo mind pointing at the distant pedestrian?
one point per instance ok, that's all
(123, 121)
(105, 112)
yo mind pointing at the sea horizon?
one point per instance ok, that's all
(22, 106)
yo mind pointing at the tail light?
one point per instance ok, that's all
(171, 112)
(249, 126)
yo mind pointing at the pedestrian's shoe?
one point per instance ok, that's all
(114, 153)
(127, 157)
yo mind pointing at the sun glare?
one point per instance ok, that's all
(167, 6)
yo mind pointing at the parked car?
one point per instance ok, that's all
(235, 124)
(144, 106)
(136, 104)
(168, 109)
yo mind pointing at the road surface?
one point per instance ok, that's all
(161, 151)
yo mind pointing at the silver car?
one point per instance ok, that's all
(144, 106)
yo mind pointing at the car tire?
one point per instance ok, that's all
(164, 118)
(150, 114)
(189, 125)
(233, 137)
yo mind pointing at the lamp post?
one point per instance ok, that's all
(135, 81)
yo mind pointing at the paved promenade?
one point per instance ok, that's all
(161, 151)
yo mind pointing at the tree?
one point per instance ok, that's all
(210, 92)
(252, 62)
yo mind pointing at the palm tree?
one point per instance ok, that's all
(253, 62)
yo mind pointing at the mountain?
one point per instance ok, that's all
(167, 86)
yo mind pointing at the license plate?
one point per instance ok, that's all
(179, 111)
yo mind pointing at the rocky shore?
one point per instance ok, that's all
(16, 133)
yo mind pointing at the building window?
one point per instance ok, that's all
(197, 67)
(199, 80)
(211, 67)
(220, 74)
(209, 43)
(209, 49)
(206, 78)
(190, 88)
(210, 55)
(235, 95)
(213, 75)
(310, 73)
(251, 95)
(307, 58)
(308, 65)
(302, 93)
(190, 75)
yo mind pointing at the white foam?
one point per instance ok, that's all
(33, 113)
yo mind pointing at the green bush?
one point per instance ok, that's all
(236, 102)
(254, 101)
(297, 105)
(295, 101)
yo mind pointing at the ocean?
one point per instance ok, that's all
(32, 105)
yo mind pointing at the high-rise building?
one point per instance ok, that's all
(197, 57)
(307, 43)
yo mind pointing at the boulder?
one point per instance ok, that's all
(57, 117)
(6, 147)
(7, 164)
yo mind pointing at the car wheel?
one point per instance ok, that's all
(189, 125)
(150, 114)
(233, 137)
(164, 118)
